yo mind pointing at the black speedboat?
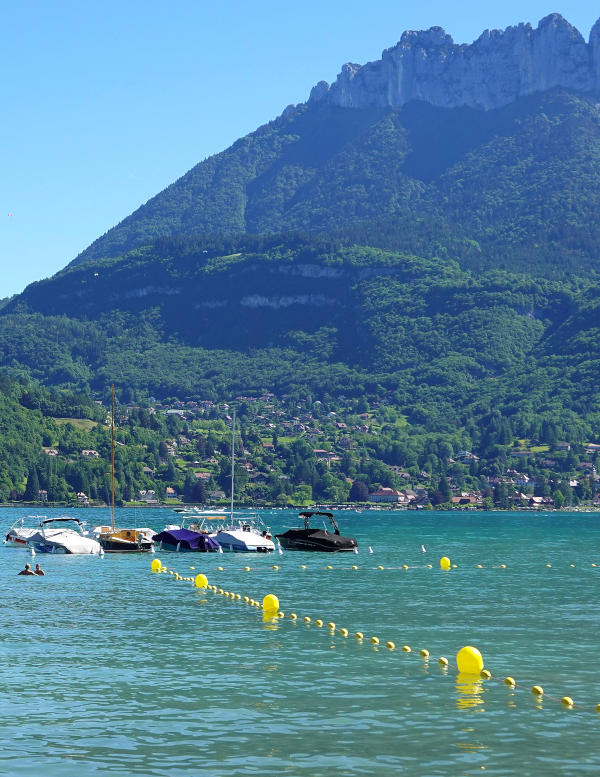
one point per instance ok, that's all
(316, 539)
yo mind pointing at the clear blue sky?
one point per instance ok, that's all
(106, 103)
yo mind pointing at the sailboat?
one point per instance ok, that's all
(115, 540)
(241, 535)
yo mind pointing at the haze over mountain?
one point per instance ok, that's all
(425, 231)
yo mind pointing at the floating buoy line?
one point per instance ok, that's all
(469, 661)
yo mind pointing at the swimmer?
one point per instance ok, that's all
(27, 570)
(38, 570)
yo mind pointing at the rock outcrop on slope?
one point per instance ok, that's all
(498, 68)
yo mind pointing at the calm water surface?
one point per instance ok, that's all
(109, 669)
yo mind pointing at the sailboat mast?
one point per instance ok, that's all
(232, 460)
(112, 457)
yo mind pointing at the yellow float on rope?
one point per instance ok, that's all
(201, 581)
(156, 565)
(445, 563)
(469, 660)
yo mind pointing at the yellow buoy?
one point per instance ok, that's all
(220, 569)
(548, 565)
(246, 599)
(359, 635)
(201, 581)
(302, 566)
(318, 622)
(537, 690)
(238, 596)
(404, 566)
(306, 619)
(390, 645)
(486, 674)
(281, 614)
(479, 566)
(571, 565)
(344, 632)
(221, 591)
(406, 648)
(246, 569)
(380, 567)
(156, 565)
(445, 562)
(424, 652)
(375, 640)
(275, 566)
(510, 681)
(567, 701)
(443, 661)
(270, 603)
(502, 566)
(170, 571)
(355, 567)
(469, 660)
(293, 616)
(329, 566)
(331, 626)
(429, 566)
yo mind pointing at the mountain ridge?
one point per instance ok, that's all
(497, 69)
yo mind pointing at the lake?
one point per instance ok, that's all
(110, 669)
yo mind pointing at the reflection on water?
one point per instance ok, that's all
(470, 691)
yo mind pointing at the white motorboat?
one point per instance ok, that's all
(55, 535)
(19, 533)
(238, 535)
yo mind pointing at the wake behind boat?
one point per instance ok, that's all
(312, 539)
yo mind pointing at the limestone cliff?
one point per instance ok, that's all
(498, 68)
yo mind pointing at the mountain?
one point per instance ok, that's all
(499, 68)
(437, 254)
(503, 180)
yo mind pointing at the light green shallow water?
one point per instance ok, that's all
(109, 669)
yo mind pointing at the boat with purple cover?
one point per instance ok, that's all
(185, 541)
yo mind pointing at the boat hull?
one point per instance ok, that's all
(240, 541)
(125, 541)
(316, 540)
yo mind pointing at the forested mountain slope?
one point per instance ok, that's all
(515, 187)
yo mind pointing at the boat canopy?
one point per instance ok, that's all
(308, 515)
(188, 539)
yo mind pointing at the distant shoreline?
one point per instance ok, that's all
(350, 508)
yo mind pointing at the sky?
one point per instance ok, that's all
(107, 103)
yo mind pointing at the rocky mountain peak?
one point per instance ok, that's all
(498, 68)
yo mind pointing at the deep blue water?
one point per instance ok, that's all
(110, 669)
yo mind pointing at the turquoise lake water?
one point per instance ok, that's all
(109, 669)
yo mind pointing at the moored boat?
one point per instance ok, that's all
(238, 535)
(180, 539)
(54, 535)
(313, 539)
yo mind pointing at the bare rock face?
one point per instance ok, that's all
(498, 68)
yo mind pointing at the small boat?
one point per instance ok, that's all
(180, 539)
(115, 540)
(316, 539)
(54, 535)
(18, 534)
(238, 535)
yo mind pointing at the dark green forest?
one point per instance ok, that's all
(406, 286)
